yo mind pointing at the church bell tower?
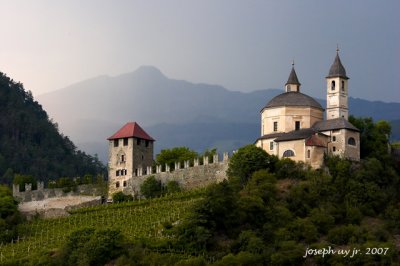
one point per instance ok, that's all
(337, 91)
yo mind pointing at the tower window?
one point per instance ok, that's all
(271, 145)
(275, 126)
(122, 158)
(124, 183)
(117, 184)
(287, 88)
(116, 142)
(308, 153)
(351, 141)
(333, 85)
(147, 143)
(297, 125)
(117, 173)
(288, 153)
(125, 142)
(334, 148)
(342, 85)
(138, 141)
(334, 138)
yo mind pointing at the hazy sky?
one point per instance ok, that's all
(241, 45)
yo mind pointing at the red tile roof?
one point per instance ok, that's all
(315, 141)
(130, 130)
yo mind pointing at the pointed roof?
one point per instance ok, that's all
(293, 77)
(129, 130)
(337, 69)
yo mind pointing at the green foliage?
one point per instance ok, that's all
(247, 160)
(91, 247)
(151, 187)
(172, 187)
(121, 197)
(9, 215)
(177, 154)
(242, 258)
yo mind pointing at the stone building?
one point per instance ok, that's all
(293, 125)
(130, 154)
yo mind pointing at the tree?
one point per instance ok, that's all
(178, 154)
(21, 180)
(151, 187)
(9, 215)
(247, 160)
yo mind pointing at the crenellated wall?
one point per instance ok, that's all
(190, 174)
(42, 193)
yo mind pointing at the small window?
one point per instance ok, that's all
(288, 153)
(125, 142)
(124, 183)
(122, 158)
(271, 145)
(334, 148)
(297, 125)
(275, 126)
(147, 143)
(351, 141)
(308, 154)
(342, 85)
(117, 184)
(288, 88)
(138, 141)
(334, 138)
(333, 85)
(136, 172)
(117, 173)
(142, 157)
(116, 142)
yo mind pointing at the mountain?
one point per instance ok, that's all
(174, 112)
(30, 142)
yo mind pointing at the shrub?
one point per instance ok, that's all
(151, 187)
(172, 186)
(121, 197)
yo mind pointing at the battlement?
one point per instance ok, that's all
(42, 193)
(189, 174)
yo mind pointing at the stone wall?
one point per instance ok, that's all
(42, 193)
(199, 175)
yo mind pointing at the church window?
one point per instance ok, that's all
(288, 153)
(297, 125)
(342, 85)
(117, 184)
(271, 145)
(351, 141)
(334, 138)
(124, 183)
(138, 141)
(308, 153)
(334, 148)
(275, 126)
(125, 141)
(333, 85)
(116, 142)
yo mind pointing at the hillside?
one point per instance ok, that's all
(31, 144)
(174, 112)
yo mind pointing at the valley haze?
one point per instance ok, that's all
(174, 112)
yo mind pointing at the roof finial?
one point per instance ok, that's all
(293, 63)
(337, 48)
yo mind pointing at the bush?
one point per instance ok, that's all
(172, 186)
(151, 187)
(121, 197)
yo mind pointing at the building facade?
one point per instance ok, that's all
(293, 124)
(130, 154)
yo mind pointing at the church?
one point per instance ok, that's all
(293, 124)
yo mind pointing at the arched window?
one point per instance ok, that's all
(288, 153)
(117, 184)
(351, 141)
(333, 85)
(342, 85)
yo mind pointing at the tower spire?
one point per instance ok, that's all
(292, 83)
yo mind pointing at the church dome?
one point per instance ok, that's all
(293, 99)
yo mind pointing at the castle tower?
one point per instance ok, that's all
(130, 154)
(337, 91)
(293, 83)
